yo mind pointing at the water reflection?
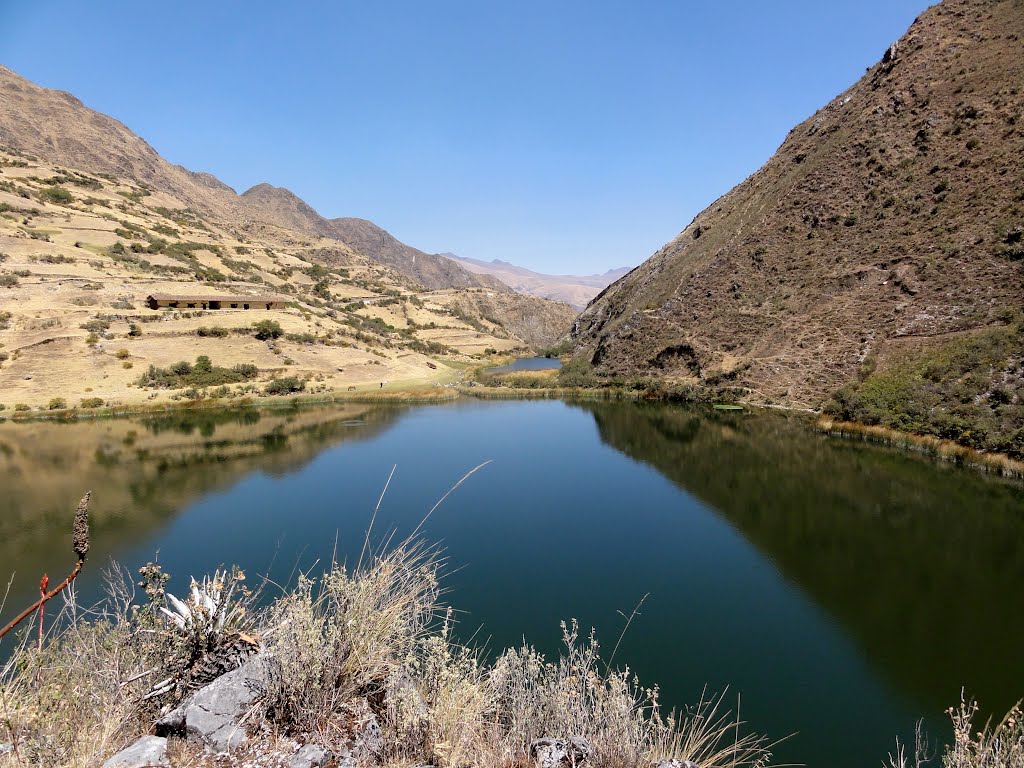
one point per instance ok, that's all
(914, 559)
(142, 471)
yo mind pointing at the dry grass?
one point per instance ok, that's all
(353, 645)
(945, 450)
(999, 745)
(77, 700)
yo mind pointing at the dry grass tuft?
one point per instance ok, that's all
(994, 746)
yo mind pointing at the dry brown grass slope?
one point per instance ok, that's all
(59, 128)
(886, 222)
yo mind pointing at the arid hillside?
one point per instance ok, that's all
(886, 226)
(80, 254)
(57, 127)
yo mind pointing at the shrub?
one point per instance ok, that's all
(284, 386)
(57, 404)
(95, 325)
(92, 402)
(203, 374)
(92, 339)
(57, 195)
(122, 354)
(134, 330)
(8, 281)
(955, 392)
(267, 329)
(21, 407)
(246, 370)
(5, 320)
(215, 331)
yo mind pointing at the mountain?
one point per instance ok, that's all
(260, 291)
(576, 290)
(886, 228)
(428, 269)
(59, 128)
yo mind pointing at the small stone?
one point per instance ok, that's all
(556, 753)
(147, 752)
(310, 756)
(6, 749)
(674, 763)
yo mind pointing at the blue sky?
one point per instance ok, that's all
(565, 136)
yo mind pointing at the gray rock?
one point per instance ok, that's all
(556, 753)
(368, 739)
(674, 763)
(6, 748)
(310, 756)
(147, 752)
(213, 714)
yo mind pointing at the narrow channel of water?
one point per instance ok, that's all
(843, 589)
(529, 364)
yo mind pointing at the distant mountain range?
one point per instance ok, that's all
(576, 290)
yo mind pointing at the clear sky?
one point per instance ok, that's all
(562, 135)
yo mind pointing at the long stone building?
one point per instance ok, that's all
(189, 301)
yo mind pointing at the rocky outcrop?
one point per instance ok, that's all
(147, 752)
(561, 753)
(214, 715)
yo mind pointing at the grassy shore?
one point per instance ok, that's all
(941, 450)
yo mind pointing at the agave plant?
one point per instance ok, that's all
(209, 610)
(210, 623)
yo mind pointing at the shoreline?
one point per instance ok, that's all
(937, 449)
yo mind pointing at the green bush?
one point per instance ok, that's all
(962, 391)
(285, 386)
(8, 281)
(57, 195)
(202, 374)
(215, 331)
(267, 329)
(57, 404)
(92, 402)
(21, 407)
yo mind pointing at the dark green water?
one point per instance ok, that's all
(845, 590)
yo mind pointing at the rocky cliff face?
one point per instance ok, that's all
(539, 322)
(892, 214)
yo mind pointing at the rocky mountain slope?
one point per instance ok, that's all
(887, 225)
(58, 128)
(576, 290)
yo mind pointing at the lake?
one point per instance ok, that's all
(843, 589)
(528, 364)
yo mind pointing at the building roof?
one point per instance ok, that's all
(230, 298)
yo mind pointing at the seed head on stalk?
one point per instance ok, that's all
(80, 531)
